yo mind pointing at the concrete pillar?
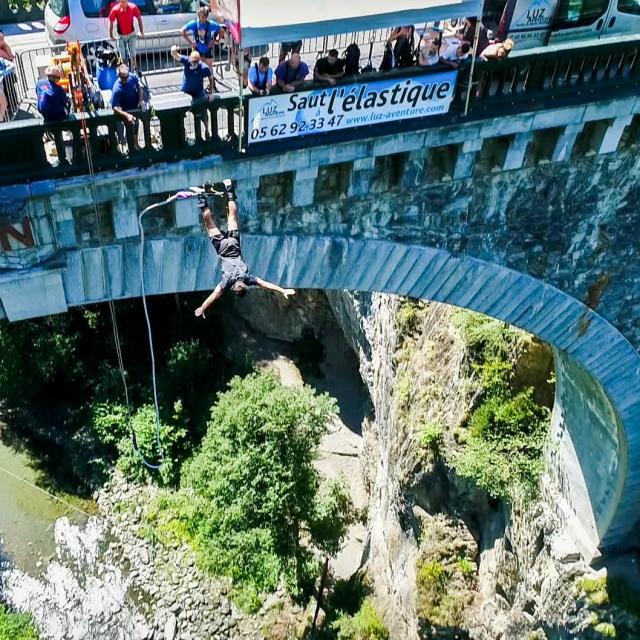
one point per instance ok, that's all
(361, 176)
(566, 142)
(247, 192)
(467, 158)
(125, 222)
(187, 213)
(304, 186)
(613, 133)
(517, 151)
(413, 173)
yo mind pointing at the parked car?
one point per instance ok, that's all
(87, 20)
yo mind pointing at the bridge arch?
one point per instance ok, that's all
(596, 417)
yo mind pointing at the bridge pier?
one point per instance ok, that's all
(612, 134)
(566, 142)
(517, 151)
(361, 176)
(304, 186)
(466, 160)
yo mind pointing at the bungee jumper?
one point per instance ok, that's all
(235, 273)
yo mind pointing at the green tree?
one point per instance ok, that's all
(113, 427)
(366, 624)
(258, 495)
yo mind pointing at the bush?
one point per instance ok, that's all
(364, 625)
(504, 451)
(16, 626)
(113, 427)
(431, 436)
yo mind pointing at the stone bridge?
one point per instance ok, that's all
(531, 218)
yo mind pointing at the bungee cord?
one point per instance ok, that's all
(180, 195)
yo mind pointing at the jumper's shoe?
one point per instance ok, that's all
(229, 189)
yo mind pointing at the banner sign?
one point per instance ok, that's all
(344, 107)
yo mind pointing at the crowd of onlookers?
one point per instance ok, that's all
(406, 47)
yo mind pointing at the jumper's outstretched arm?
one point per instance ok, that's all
(217, 292)
(274, 287)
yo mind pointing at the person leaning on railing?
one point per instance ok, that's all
(291, 73)
(260, 78)
(53, 101)
(123, 14)
(126, 96)
(329, 68)
(497, 50)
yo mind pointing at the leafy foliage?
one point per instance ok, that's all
(16, 626)
(366, 624)
(113, 427)
(254, 496)
(504, 452)
(431, 436)
(502, 447)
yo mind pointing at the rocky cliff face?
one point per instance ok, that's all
(516, 577)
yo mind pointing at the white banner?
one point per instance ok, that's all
(347, 106)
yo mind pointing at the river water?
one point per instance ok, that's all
(27, 515)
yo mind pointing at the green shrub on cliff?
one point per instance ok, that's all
(16, 626)
(365, 624)
(506, 433)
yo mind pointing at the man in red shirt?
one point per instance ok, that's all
(123, 15)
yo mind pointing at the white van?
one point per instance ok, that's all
(88, 20)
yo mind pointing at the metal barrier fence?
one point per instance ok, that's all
(153, 56)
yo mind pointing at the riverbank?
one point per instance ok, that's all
(107, 579)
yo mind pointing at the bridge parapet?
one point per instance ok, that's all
(540, 82)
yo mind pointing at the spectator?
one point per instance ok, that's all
(10, 79)
(126, 96)
(195, 71)
(455, 52)
(403, 47)
(5, 49)
(291, 73)
(429, 52)
(329, 69)
(289, 47)
(123, 14)
(204, 34)
(260, 78)
(53, 101)
(497, 50)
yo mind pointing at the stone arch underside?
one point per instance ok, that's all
(596, 418)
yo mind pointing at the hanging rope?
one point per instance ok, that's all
(181, 195)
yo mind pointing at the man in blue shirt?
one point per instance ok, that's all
(202, 34)
(260, 78)
(291, 73)
(53, 101)
(126, 96)
(195, 71)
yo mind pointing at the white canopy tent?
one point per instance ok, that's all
(282, 21)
